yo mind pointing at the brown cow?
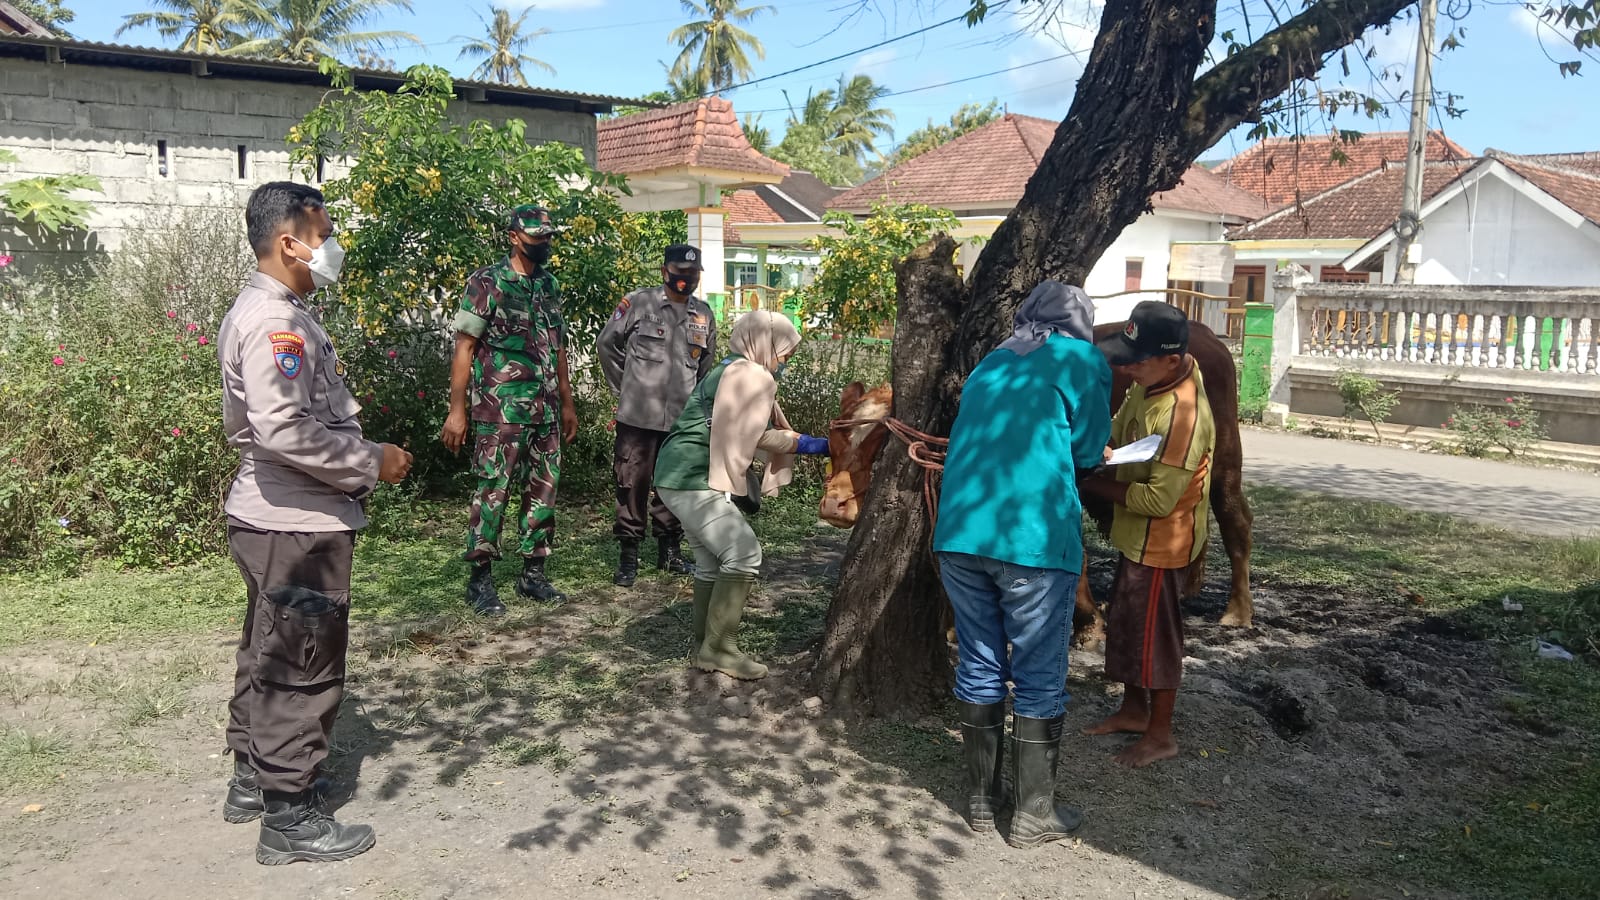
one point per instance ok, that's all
(853, 448)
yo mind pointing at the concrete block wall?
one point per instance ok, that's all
(108, 121)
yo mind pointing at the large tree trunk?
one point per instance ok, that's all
(1138, 119)
(884, 652)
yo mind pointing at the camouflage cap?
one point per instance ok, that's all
(533, 220)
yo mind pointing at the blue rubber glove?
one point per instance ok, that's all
(812, 446)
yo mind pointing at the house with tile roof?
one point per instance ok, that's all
(1500, 219)
(981, 175)
(1292, 169)
(768, 227)
(687, 156)
(166, 130)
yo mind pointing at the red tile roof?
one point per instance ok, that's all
(1284, 170)
(1364, 206)
(746, 206)
(990, 167)
(702, 133)
(1572, 178)
(1357, 209)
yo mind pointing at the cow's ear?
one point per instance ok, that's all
(853, 392)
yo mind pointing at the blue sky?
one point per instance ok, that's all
(1514, 97)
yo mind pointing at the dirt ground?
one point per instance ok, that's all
(570, 753)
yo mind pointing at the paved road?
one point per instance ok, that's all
(1519, 498)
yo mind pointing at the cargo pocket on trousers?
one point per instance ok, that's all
(303, 638)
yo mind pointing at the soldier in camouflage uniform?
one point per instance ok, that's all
(511, 352)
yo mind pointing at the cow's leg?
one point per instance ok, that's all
(1234, 518)
(1088, 626)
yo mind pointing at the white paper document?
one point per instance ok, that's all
(1142, 450)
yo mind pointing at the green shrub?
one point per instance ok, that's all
(1513, 426)
(1365, 395)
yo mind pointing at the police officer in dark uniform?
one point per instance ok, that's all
(658, 345)
(296, 503)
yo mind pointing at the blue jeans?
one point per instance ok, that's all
(996, 602)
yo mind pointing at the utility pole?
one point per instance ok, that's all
(1409, 226)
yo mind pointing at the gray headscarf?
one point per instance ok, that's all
(1052, 308)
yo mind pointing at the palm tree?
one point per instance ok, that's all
(308, 29)
(757, 134)
(206, 26)
(714, 46)
(501, 48)
(857, 119)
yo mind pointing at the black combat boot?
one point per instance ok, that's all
(244, 803)
(627, 564)
(983, 730)
(669, 557)
(295, 828)
(1037, 819)
(481, 593)
(533, 585)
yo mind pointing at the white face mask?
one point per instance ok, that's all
(326, 262)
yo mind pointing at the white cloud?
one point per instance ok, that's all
(1530, 23)
(873, 64)
(1050, 85)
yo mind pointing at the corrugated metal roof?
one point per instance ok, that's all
(159, 59)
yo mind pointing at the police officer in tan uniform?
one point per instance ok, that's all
(296, 503)
(658, 345)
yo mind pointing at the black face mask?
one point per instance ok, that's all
(683, 284)
(536, 254)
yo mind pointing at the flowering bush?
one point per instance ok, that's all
(854, 292)
(1512, 425)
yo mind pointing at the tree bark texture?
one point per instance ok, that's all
(884, 650)
(1139, 118)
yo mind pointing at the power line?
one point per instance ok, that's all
(929, 87)
(883, 43)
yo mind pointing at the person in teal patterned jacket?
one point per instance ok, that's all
(509, 384)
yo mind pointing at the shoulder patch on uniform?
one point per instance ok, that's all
(288, 351)
(622, 309)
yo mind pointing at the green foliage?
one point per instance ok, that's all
(970, 117)
(306, 30)
(501, 48)
(716, 51)
(832, 134)
(854, 291)
(1365, 395)
(1513, 426)
(426, 203)
(110, 439)
(52, 14)
(44, 201)
(203, 26)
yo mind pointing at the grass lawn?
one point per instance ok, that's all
(1535, 835)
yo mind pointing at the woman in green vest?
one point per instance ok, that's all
(732, 415)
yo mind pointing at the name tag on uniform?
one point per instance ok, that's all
(699, 330)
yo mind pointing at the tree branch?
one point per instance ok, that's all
(1234, 90)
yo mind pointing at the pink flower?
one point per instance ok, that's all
(204, 340)
(177, 431)
(186, 357)
(81, 359)
(191, 327)
(1514, 423)
(61, 346)
(1511, 399)
(172, 314)
(393, 354)
(5, 260)
(383, 409)
(421, 394)
(58, 361)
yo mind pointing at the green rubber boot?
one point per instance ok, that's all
(702, 605)
(720, 651)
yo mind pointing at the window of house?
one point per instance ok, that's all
(1337, 274)
(163, 160)
(1249, 284)
(244, 162)
(1133, 277)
